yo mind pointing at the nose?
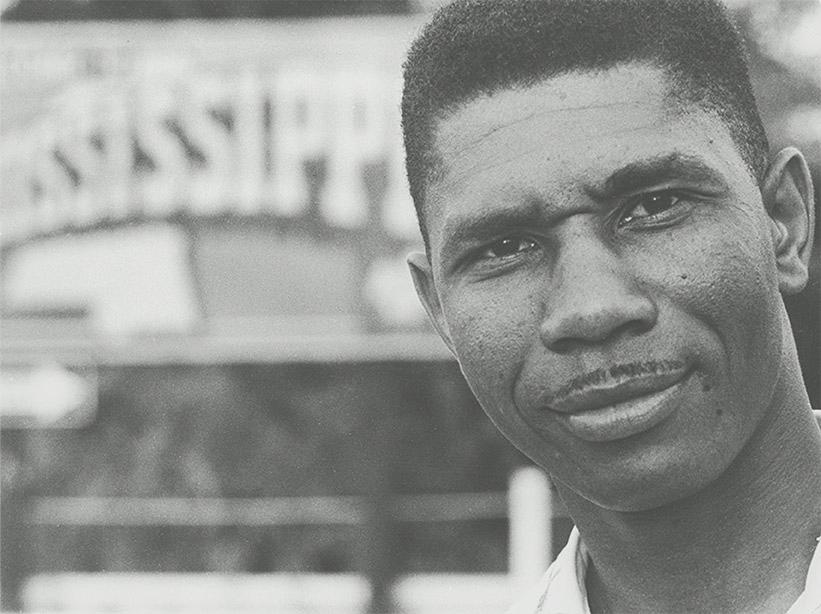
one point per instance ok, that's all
(593, 298)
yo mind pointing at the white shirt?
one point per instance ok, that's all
(562, 589)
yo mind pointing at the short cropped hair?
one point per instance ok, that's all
(477, 47)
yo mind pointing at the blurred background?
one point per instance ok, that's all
(218, 391)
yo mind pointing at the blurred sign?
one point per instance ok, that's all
(46, 396)
(207, 178)
(137, 140)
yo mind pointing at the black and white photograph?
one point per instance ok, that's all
(410, 306)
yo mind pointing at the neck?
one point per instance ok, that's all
(742, 544)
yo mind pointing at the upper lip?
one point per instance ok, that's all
(607, 389)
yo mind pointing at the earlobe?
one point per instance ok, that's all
(426, 291)
(788, 196)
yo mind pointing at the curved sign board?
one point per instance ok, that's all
(258, 140)
(143, 127)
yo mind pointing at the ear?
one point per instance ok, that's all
(788, 196)
(422, 275)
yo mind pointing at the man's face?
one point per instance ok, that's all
(601, 265)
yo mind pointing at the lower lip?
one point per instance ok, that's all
(624, 419)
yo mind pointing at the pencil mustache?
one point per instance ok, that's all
(599, 377)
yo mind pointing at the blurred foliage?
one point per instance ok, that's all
(785, 67)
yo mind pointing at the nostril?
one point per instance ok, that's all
(563, 346)
(639, 327)
(594, 324)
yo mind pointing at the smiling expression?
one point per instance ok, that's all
(601, 266)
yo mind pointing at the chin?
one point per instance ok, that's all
(649, 486)
(645, 500)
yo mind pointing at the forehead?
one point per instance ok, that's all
(565, 136)
(568, 105)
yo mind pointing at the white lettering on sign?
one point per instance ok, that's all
(298, 134)
(208, 145)
(358, 139)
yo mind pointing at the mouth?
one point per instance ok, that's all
(615, 407)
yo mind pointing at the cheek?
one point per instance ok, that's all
(491, 333)
(738, 279)
(727, 281)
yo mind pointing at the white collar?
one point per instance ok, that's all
(562, 590)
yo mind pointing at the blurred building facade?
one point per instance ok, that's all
(204, 222)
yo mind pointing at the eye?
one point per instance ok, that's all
(648, 206)
(508, 247)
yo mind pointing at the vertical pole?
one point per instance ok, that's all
(16, 544)
(380, 551)
(381, 404)
(530, 513)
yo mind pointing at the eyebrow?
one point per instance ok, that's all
(482, 226)
(641, 173)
